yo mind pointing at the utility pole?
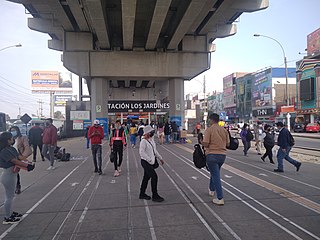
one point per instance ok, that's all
(40, 108)
(205, 113)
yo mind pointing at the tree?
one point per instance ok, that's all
(58, 115)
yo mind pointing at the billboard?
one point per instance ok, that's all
(262, 90)
(313, 42)
(61, 100)
(44, 82)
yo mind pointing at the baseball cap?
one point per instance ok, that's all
(96, 122)
(147, 129)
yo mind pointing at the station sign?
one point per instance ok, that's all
(137, 106)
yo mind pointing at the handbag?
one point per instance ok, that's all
(156, 163)
(234, 143)
(112, 156)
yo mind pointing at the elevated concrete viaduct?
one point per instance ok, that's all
(145, 47)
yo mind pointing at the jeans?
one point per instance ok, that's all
(48, 152)
(246, 146)
(97, 150)
(149, 172)
(214, 162)
(175, 137)
(88, 142)
(8, 180)
(167, 138)
(285, 155)
(35, 146)
(133, 139)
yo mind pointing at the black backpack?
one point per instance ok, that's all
(199, 158)
(249, 136)
(234, 143)
(291, 140)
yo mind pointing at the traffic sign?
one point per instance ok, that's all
(25, 118)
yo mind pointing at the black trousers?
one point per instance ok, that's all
(268, 152)
(119, 156)
(97, 153)
(35, 146)
(149, 172)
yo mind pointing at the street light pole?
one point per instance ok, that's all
(286, 72)
(17, 45)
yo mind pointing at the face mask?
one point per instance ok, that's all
(96, 125)
(14, 133)
(151, 134)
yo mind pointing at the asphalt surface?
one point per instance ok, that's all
(72, 202)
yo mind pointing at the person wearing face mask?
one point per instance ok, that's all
(49, 140)
(117, 142)
(21, 144)
(149, 155)
(9, 158)
(96, 134)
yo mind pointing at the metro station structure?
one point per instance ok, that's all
(136, 54)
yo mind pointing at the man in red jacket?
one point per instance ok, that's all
(49, 140)
(96, 135)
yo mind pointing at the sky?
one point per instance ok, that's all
(288, 21)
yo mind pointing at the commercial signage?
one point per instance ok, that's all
(262, 90)
(43, 82)
(263, 112)
(61, 100)
(229, 91)
(137, 106)
(79, 115)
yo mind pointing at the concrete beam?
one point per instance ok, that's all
(55, 45)
(128, 18)
(192, 12)
(77, 12)
(59, 13)
(222, 31)
(159, 15)
(46, 26)
(150, 83)
(78, 41)
(94, 10)
(250, 5)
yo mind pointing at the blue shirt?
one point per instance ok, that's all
(7, 155)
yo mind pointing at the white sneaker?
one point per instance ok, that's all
(218, 201)
(116, 173)
(53, 168)
(212, 193)
(49, 168)
(119, 169)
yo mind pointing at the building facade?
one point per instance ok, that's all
(243, 92)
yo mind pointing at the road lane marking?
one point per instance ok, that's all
(263, 174)
(313, 206)
(204, 173)
(5, 233)
(227, 176)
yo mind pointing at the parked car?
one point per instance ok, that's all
(299, 127)
(313, 127)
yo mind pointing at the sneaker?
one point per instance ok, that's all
(10, 220)
(96, 170)
(34, 160)
(43, 159)
(49, 168)
(116, 173)
(298, 166)
(100, 172)
(262, 158)
(218, 201)
(119, 169)
(144, 196)
(211, 193)
(157, 198)
(278, 170)
(18, 189)
(271, 161)
(16, 215)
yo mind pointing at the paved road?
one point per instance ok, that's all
(72, 202)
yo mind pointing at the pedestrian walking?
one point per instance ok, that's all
(246, 137)
(268, 142)
(215, 141)
(285, 143)
(140, 130)
(167, 131)
(35, 139)
(21, 144)
(49, 139)
(96, 134)
(160, 133)
(86, 135)
(174, 128)
(149, 161)
(9, 157)
(258, 132)
(133, 135)
(117, 144)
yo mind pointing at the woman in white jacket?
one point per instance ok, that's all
(149, 155)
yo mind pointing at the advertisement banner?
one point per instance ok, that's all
(262, 90)
(61, 100)
(44, 82)
(79, 115)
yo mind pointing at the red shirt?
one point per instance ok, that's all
(50, 135)
(96, 134)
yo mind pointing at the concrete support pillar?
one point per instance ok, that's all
(176, 98)
(99, 98)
